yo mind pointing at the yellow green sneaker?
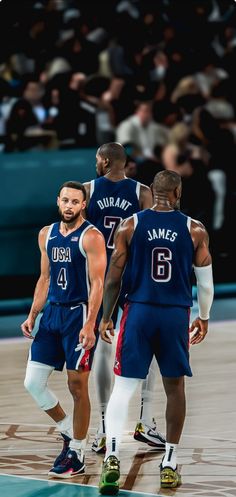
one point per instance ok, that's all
(109, 480)
(170, 478)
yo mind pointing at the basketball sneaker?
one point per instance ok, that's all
(99, 443)
(109, 484)
(170, 478)
(149, 435)
(61, 456)
(69, 467)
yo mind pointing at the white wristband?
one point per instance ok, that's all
(205, 290)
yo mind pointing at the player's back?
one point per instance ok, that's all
(161, 258)
(110, 203)
(68, 265)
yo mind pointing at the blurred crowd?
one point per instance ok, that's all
(156, 76)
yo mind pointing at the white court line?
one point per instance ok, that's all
(77, 484)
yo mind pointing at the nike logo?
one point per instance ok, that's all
(51, 237)
(75, 307)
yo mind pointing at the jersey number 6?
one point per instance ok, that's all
(161, 267)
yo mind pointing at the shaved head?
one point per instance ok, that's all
(113, 151)
(166, 182)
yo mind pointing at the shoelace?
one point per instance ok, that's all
(66, 460)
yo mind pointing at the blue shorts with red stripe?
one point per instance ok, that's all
(57, 337)
(153, 330)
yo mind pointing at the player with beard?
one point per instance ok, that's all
(73, 264)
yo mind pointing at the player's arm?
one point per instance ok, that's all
(87, 188)
(146, 197)
(94, 246)
(204, 280)
(41, 289)
(113, 279)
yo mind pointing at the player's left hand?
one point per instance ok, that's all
(199, 328)
(106, 330)
(87, 336)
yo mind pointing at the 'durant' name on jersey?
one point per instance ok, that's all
(113, 202)
(61, 254)
(162, 233)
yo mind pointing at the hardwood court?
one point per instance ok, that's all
(207, 453)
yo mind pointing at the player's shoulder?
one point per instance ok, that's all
(198, 230)
(87, 186)
(197, 225)
(43, 232)
(145, 188)
(93, 237)
(92, 233)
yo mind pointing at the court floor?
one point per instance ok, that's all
(207, 452)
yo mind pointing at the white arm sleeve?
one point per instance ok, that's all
(205, 290)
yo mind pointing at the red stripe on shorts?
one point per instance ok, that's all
(117, 366)
(85, 361)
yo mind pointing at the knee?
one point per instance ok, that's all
(29, 385)
(77, 389)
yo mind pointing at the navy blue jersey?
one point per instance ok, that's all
(161, 258)
(110, 203)
(69, 280)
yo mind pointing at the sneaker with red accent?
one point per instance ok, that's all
(69, 467)
(65, 448)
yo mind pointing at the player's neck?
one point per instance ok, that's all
(115, 175)
(162, 203)
(66, 228)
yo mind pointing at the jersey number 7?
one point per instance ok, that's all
(111, 222)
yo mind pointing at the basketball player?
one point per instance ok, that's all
(73, 263)
(111, 198)
(163, 246)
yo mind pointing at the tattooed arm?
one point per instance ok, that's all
(114, 275)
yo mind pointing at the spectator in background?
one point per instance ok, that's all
(194, 179)
(142, 131)
(25, 124)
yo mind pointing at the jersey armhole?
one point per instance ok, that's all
(189, 220)
(138, 187)
(48, 235)
(92, 186)
(81, 248)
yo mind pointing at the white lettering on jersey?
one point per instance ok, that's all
(112, 202)
(61, 254)
(163, 234)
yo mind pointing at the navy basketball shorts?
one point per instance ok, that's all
(153, 330)
(57, 337)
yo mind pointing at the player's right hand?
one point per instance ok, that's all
(27, 328)
(106, 330)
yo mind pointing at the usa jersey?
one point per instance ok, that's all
(69, 280)
(110, 203)
(161, 258)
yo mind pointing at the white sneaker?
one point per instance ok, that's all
(149, 435)
(99, 443)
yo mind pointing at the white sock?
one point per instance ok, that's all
(101, 428)
(79, 447)
(147, 394)
(65, 426)
(123, 390)
(170, 456)
(103, 374)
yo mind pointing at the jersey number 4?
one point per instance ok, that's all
(62, 279)
(111, 222)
